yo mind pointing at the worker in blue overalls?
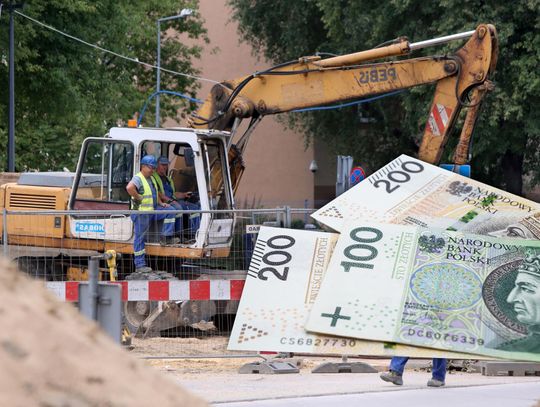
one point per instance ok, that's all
(144, 197)
(167, 193)
(397, 365)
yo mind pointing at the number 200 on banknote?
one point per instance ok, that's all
(271, 257)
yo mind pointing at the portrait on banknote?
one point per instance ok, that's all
(511, 293)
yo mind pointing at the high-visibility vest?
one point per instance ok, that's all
(147, 203)
(159, 183)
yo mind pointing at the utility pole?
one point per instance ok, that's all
(11, 113)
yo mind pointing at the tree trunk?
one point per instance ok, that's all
(512, 168)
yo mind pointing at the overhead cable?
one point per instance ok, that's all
(356, 102)
(136, 60)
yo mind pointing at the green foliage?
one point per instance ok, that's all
(507, 135)
(66, 91)
(297, 224)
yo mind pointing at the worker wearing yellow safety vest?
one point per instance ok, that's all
(144, 198)
(178, 200)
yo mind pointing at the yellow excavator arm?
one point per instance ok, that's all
(312, 81)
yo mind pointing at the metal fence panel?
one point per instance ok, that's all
(187, 307)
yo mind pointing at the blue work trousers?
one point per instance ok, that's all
(178, 218)
(397, 364)
(141, 224)
(194, 218)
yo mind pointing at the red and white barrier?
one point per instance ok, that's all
(170, 290)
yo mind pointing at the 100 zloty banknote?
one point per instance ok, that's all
(433, 288)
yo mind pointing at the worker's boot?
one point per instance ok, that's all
(144, 269)
(392, 377)
(168, 240)
(435, 383)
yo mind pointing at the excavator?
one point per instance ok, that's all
(84, 213)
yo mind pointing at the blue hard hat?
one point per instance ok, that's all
(163, 160)
(149, 160)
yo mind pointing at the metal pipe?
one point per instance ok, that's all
(4, 231)
(11, 114)
(93, 286)
(108, 213)
(184, 13)
(288, 217)
(441, 40)
(158, 71)
(401, 48)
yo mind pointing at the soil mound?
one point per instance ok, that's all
(50, 356)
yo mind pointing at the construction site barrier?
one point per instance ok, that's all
(194, 290)
(206, 289)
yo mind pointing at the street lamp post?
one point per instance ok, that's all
(184, 13)
(11, 112)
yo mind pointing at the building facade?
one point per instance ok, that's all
(277, 159)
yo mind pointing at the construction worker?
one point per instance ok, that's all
(143, 192)
(176, 199)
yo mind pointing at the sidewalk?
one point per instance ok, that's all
(230, 386)
(507, 395)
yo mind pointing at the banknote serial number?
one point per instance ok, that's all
(420, 333)
(318, 342)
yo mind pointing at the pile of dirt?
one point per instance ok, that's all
(50, 355)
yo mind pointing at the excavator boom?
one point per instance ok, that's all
(310, 81)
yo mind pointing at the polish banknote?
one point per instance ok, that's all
(432, 288)
(284, 278)
(410, 191)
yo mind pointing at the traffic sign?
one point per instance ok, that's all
(357, 175)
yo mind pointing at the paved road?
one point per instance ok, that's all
(507, 395)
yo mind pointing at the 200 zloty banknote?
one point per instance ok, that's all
(410, 191)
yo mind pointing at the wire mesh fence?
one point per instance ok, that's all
(185, 306)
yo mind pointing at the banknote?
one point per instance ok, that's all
(283, 281)
(410, 191)
(433, 288)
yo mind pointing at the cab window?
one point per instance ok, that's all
(182, 167)
(216, 175)
(106, 170)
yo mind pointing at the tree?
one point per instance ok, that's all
(66, 91)
(507, 135)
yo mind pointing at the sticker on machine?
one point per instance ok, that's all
(439, 118)
(88, 229)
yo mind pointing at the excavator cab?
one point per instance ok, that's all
(198, 164)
